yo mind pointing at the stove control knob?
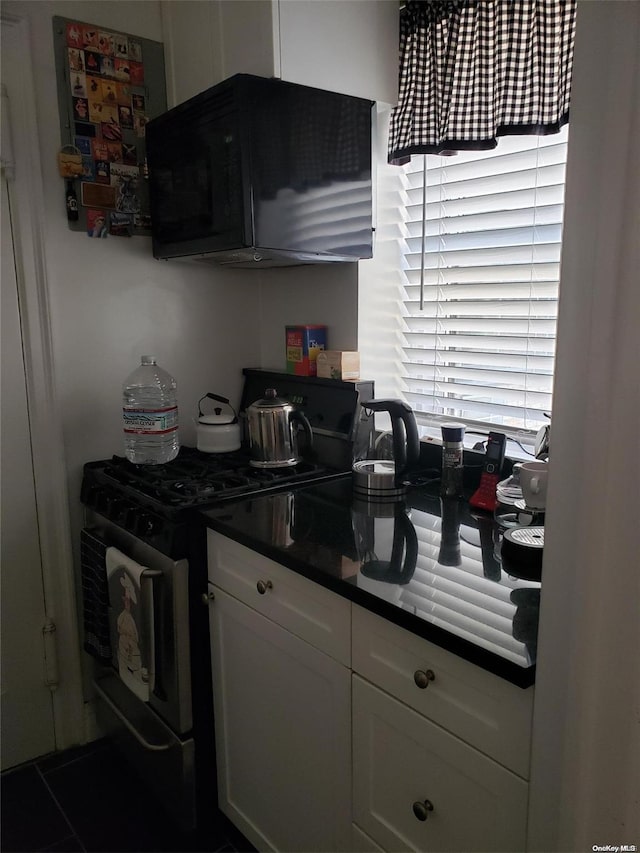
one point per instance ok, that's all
(133, 520)
(119, 511)
(147, 524)
(91, 496)
(116, 508)
(104, 499)
(128, 515)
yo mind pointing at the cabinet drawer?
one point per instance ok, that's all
(417, 787)
(484, 710)
(308, 610)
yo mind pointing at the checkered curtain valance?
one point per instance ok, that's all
(473, 70)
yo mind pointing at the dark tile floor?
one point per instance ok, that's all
(86, 799)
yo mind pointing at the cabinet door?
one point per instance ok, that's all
(282, 720)
(416, 787)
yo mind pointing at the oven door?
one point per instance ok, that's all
(154, 730)
(170, 685)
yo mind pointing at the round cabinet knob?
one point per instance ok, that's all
(421, 810)
(263, 586)
(422, 678)
(207, 597)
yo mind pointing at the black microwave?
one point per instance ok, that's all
(261, 172)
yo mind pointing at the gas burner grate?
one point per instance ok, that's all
(190, 489)
(196, 479)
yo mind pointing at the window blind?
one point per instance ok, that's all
(481, 281)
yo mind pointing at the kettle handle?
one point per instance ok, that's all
(297, 415)
(219, 399)
(411, 443)
(406, 443)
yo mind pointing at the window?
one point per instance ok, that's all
(477, 321)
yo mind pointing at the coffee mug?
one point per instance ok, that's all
(533, 482)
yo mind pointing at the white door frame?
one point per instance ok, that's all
(24, 178)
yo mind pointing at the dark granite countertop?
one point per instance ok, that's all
(427, 564)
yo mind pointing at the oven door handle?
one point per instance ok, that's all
(154, 629)
(152, 747)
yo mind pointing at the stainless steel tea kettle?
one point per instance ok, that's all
(377, 474)
(273, 432)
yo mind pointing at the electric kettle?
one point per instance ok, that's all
(273, 428)
(380, 474)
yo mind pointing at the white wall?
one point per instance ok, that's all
(585, 781)
(381, 278)
(332, 45)
(110, 300)
(325, 294)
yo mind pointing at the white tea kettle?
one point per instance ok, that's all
(218, 432)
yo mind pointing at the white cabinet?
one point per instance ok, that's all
(349, 47)
(436, 741)
(282, 718)
(417, 787)
(328, 737)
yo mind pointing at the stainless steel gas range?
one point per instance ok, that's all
(144, 583)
